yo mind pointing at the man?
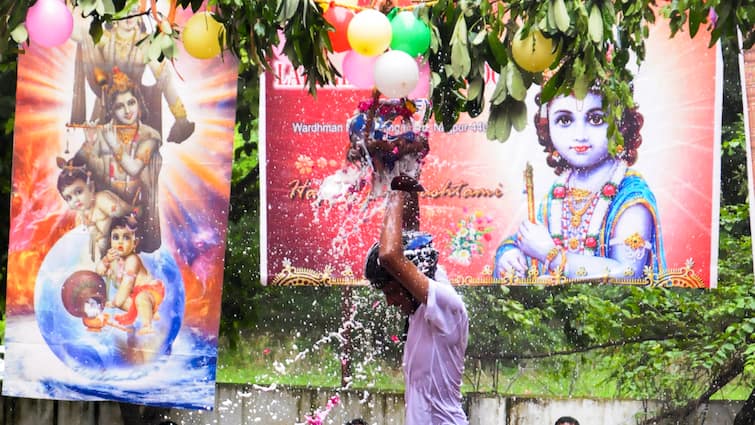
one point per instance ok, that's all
(403, 265)
(566, 420)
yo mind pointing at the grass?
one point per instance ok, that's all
(266, 359)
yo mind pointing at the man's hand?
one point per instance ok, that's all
(406, 183)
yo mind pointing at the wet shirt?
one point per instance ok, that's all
(434, 357)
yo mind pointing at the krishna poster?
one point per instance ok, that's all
(553, 204)
(120, 191)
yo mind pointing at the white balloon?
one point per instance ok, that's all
(396, 73)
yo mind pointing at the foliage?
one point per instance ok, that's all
(7, 111)
(595, 39)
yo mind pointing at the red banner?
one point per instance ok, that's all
(320, 219)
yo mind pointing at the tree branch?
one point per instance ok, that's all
(731, 371)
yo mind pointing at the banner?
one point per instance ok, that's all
(647, 216)
(121, 183)
(747, 76)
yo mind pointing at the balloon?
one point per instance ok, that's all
(422, 90)
(201, 36)
(534, 53)
(359, 70)
(369, 33)
(410, 34)
(396, 73)
(339, 17)
(336, 59)
(49, 23)
(326, 6)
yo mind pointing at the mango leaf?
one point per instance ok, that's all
(551, 87)
(108, 7)
(287, 9)
(502, 125)
(19, 34)
(154, 50)
(518, 114)
(497, 49)
(561, 15)
(475, 88)
(500, 91)
(550, 19)
(460, 61)
(514, 81)
(478, 38)
(595, 24)
(581, 86)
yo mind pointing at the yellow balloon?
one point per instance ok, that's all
(325, 4)
(535, 52)
(201, 35)
(369, 33)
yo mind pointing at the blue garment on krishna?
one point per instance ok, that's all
(632, 190)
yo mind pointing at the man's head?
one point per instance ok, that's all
(566, 420)
(418, 249)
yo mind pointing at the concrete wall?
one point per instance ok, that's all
(244, 405)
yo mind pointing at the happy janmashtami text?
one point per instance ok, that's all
(307, 190)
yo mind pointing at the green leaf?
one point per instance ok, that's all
(154, 51)
(478, 38)
(497, 49)
(460, 61)
(502, 125)
(475, 88)
(500, 92)
(19, 34)
(108, 7)
(561, 15)
(287, 9)
(164, 41)
(551, 18)
(581, 86)
(518, 114)
(514, 81)
(595, 24)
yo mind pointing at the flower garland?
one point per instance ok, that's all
(584, 237)
(388, 109)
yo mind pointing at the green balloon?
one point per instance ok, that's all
(410, 34)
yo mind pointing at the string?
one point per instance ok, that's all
(360, 8)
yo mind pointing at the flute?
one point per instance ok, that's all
(72, 125)
(530, 191)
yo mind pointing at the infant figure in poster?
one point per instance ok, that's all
(138, 294)
(93, 209)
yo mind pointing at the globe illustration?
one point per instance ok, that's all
(69, 300)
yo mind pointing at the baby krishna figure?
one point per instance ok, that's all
(93, 209)
(138, 293)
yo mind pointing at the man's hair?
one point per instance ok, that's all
(566, 420)
(418, 248)
(357, 421)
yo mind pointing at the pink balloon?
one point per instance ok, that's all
(49, 23)
(359, 70)
(422, 89)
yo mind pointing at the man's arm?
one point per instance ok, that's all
(402, 210)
